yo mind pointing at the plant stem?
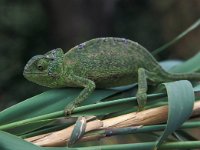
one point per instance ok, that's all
(144, 129)
(78, 109)
(27, 121)
(147, 146)
(180, 36)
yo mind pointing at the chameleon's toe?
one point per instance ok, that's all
(141, 99)
(69, 109)
(140, 108)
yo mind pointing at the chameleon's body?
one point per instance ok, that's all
(102, 63)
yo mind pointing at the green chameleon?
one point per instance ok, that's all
(100, 63)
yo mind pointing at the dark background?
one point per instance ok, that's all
(32, 27)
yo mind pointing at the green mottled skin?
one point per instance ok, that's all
(102, 63)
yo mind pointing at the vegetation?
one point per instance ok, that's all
(38, 115)
(169, 121)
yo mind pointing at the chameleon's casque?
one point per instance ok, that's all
(102, 63)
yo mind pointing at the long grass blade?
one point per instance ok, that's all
(180, 36)
(180, 100)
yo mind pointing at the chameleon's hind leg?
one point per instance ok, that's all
(142, 88)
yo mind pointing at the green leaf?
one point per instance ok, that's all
(45, 103)
(64, 148)
(169, 64)
(11, 142)
(180, 104)
(191, 65)
(145, 146)
(119, 106)
(48, 102)
(197, 88)
(22, 129)
(93, 109)
(103, 108)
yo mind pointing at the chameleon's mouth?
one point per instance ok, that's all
(33, 73)
(28, 73)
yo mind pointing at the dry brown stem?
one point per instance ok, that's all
(146, 117)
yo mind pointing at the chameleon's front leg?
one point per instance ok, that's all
(89, 87)
(142, 88)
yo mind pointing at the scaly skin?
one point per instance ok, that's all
(102, 63)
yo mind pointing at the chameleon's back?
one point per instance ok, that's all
(109, 62)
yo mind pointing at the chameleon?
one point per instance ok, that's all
(100, 63)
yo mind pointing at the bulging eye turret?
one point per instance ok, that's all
(40, 67)
(42, 64)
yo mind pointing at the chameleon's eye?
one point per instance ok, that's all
(41, 65)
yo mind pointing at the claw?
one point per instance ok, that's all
(141, 99)
(69, 109)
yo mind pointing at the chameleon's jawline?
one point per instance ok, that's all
(31, 73)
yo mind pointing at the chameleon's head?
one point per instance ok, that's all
(45, 69)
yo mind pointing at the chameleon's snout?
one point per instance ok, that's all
(26, 72)
(30, 66)
(26, 69)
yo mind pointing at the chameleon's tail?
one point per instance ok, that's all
(160, 75)
(182, 76)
